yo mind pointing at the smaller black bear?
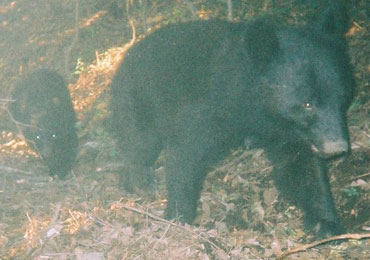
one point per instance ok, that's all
(201, 88)
(43, 110)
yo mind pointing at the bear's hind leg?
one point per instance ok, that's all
(140, 149)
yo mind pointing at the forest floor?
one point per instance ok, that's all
(87, 216)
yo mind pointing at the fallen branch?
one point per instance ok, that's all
(14, 170)
(138, 211)
(361, 176)
(320, 242)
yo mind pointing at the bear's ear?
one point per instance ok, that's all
(261, 42)
(334, 20)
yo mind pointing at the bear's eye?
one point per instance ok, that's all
(307, 105)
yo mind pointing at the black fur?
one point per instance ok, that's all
(201, 88)
(46, 117)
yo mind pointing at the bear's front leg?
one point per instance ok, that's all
(301, 176)
(196, 144)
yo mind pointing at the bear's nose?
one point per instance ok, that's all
(332, 148)
(335, 147)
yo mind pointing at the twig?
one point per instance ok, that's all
(19, 126)
(74, 218)
(6, 100)
(229, 10)
(14, 170)
(160, 239)
(361, 176)
(133, 29)
(323, 241)
(138, 211)
(74, 41)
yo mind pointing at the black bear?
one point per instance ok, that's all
(44, 113)
(199, 89)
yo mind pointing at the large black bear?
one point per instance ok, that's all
(201, 88)
(45, 115)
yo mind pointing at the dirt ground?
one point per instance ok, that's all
(87, 216)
